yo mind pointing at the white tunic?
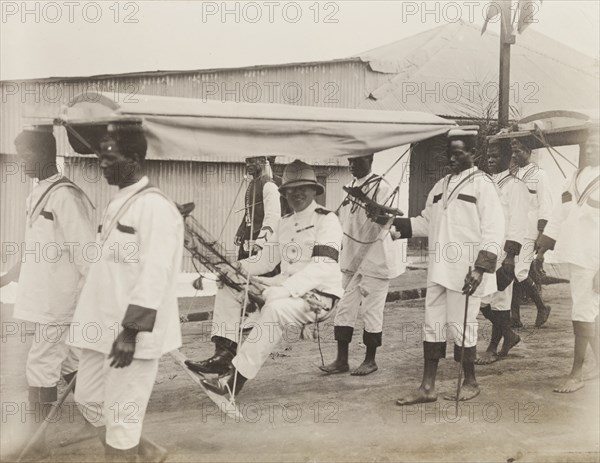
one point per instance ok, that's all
(515, 203)
(53, 264)
(383, 256)
(514, 196)
(138, 264)
(307, 245)
(575, 223)
(462, 217)
(540, 196)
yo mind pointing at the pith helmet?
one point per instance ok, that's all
(299, 173)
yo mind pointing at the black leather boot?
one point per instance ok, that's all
(220, 362)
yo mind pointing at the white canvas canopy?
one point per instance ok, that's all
(553, 128)
(193, 129)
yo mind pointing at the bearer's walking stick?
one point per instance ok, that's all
(462, 347)
(48, 419)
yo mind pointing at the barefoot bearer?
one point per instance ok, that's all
(59, 218)
(127, 316)
(540, 210)
(464, 222)
(366, 282)
(573, 232)
(515, 201)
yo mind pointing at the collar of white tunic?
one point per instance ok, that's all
(587, 174)
(120, 197)
(38, 190)
(454, 178)
(500, 175)
(306, 213)
(131, 189)
(523, 170)
(362, 180)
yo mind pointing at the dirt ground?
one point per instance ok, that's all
(293, 413)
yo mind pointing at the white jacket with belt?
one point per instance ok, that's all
(307, 244)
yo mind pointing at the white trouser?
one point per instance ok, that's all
(115, 397)
(226, 314)
(585, 299)
(276, 318)
(49, 356)
(362, 294)
(500, 300)
(444, 316)
(524, 259)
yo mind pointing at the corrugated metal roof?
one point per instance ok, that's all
(165, 73)
(453, 70)
(450, 71)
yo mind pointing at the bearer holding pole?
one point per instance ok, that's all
(515, 202)
(464, 222)
(129, 298)
(59, 217)
(540, 210)
(366, 283)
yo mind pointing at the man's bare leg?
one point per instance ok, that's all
(87, 431)
(372, 341)
(470, 388)
(343, 336)
(595, 345)
(543, 310)
(490, 355)
(584, 334)
(433, 352)
(515, 306)
(511, 339)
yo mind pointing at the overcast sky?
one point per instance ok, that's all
(78, 38)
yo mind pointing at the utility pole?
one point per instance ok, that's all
(507, 39)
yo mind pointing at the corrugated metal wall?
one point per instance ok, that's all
(341, 84)
(428, 163)
(211, 186)
(330, 84)
(14, 188)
